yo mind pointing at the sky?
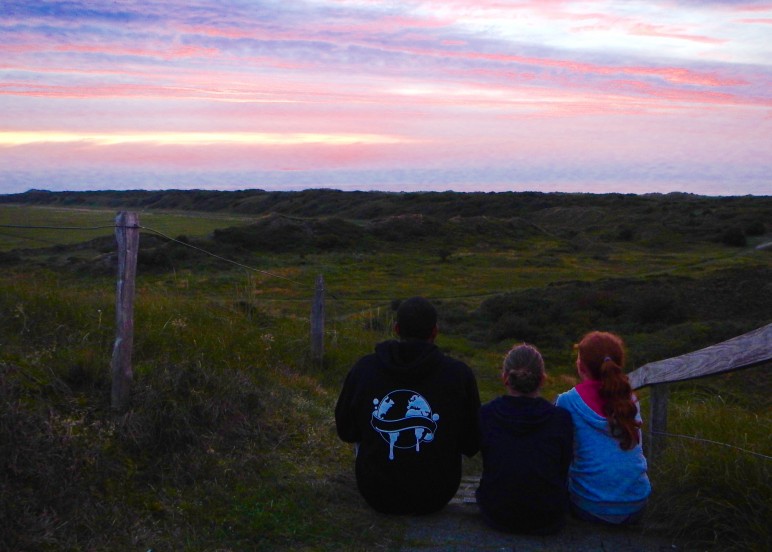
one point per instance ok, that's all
(400, 95)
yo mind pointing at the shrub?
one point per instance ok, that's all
(45, 469)
(657, 306)
(625, 234)
(734, 237)
(756, 228)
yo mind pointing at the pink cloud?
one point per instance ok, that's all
(754, 7)
(690, 96)
(157, 51)
(465, 95)
(647, 29)
(757, 21)
(234, 157)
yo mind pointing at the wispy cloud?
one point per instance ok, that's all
(419, 84)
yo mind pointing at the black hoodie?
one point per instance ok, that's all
(412, 411)
(527, 445)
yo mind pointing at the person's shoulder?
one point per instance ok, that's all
(552, 408)
(458, 370)
(569, 402)
(365, 363)
(563, 415)
(492, 404)
(452, 363)
(566, 397)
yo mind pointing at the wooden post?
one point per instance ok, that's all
(658, 419)
(317, 322)
(751, 349)
(127, 235)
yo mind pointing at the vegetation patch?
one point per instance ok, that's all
(229, 442)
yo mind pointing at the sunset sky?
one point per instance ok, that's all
(493, 95)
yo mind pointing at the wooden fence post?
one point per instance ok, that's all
(750, 349)
(127, 235)
(659, 399)
(317, 322)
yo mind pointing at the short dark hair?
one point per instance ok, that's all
(416, 318)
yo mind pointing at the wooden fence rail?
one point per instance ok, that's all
(745, 351)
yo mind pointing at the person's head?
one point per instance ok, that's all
(596, 349)
(416, 320)
(601, 357)
(523, 369)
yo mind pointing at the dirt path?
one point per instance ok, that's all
(458, 527)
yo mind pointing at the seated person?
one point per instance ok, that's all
(527, 445)
(412, 412)
(607, 481)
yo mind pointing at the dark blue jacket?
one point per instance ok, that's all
(527, 446)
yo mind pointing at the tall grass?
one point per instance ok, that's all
(713, 491)
(228, 443)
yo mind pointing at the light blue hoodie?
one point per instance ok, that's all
(603, 479)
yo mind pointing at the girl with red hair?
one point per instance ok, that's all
(607, 481)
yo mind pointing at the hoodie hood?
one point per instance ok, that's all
(408, 359)
(572, 401)
(521, 415)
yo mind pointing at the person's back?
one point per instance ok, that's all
(527, 445)
(412, 412)
(607, 480)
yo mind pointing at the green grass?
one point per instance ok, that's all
(229, 443)
(719, 495)
(170, 223)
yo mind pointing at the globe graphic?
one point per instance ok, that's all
(404, 419)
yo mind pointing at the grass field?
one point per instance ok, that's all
(170, 223)
(230, 443)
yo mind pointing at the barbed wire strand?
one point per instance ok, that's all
(216, 256)
(18, 237)
(158, 232)
(62, 227)
(340, 318)
(710, 441)
(384, 301)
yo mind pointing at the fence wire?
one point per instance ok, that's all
(711, 442)
(224, 259)
(339, 318)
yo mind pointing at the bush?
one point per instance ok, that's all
(625, 234)
(45, 469)
(756, 228)
(184, 405)
(658, 306)
(67, 467)
(734, 237)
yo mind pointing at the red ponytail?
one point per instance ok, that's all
(603, 355)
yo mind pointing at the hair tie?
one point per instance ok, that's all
(607, 359)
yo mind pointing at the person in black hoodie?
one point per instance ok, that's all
(412, 412)
(527, 446)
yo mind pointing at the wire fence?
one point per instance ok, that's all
(380, 303)
(710, 442)
(374, 302)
